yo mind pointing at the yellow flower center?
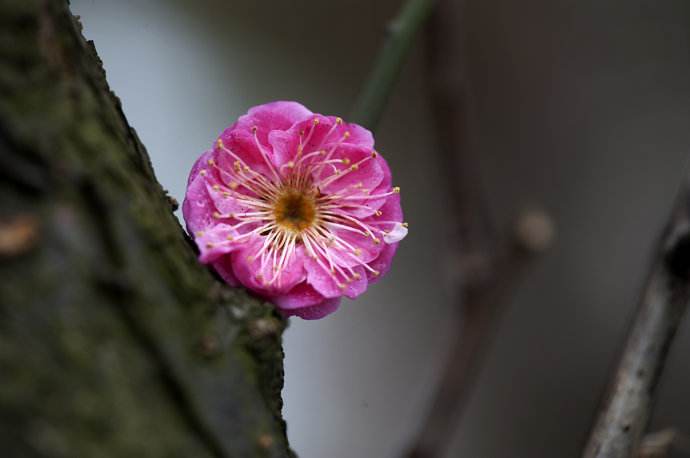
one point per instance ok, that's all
(295, 210)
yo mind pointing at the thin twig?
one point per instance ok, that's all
(626, 410)
(401, 33)
(658, 444)
(489, 266)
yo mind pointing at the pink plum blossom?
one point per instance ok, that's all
(296, 207)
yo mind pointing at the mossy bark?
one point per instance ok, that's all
(114, 341)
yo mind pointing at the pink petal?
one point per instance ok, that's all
(368, 175)
(200, 163)
(213, 242)
(396, 234)
(391, 209)
(223, 200)
(314, 312)
(369, 250)
(197, 208)
(239, 144)
(322, 135)
(284, 145)
(223, 266)
(327, 285)
(300, 296)
(247, 268)
(273, 116)
(382, 264)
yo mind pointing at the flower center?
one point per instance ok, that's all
(295, 210)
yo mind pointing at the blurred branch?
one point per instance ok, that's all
(488, 266)
(627, 407)
(658, 444)
(401, 34)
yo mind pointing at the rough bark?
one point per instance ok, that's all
(114, 341)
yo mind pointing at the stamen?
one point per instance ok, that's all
(264, 154)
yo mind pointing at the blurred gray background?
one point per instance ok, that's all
(582, 107)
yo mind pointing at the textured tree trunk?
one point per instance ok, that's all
(114, 341)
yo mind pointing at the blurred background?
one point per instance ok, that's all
(581, 107)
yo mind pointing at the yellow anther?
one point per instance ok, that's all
(219, 142)
(211, 162)
(374, 154)
(209, 245)
(200, 233)
(357, 276)
(346, 161)
(396, 189)
(203, 172)
(233, 185)
(354, 167)
(323, 152)
(342, 285)
(246, 168)
(377, 241)
(216, 187)
(405, 225)
(346, 134)
(230, 237)
(376, 273)
(254, 129)
(316, 121)
(226, 194)
(251, 259)
(358, 252)
(378, 213)
(290, 164)
(338, 120)
(216, 215)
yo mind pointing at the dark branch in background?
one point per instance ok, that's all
(488, 268)
(624, 415)
(487, 265)
(401, 34)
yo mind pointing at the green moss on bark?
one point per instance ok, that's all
(114, 341)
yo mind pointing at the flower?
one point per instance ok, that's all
(295, 206)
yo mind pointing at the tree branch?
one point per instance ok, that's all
(624, 415)
(114, 340)
(488, 265)
(402, 30)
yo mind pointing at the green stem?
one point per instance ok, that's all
(370, 103)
